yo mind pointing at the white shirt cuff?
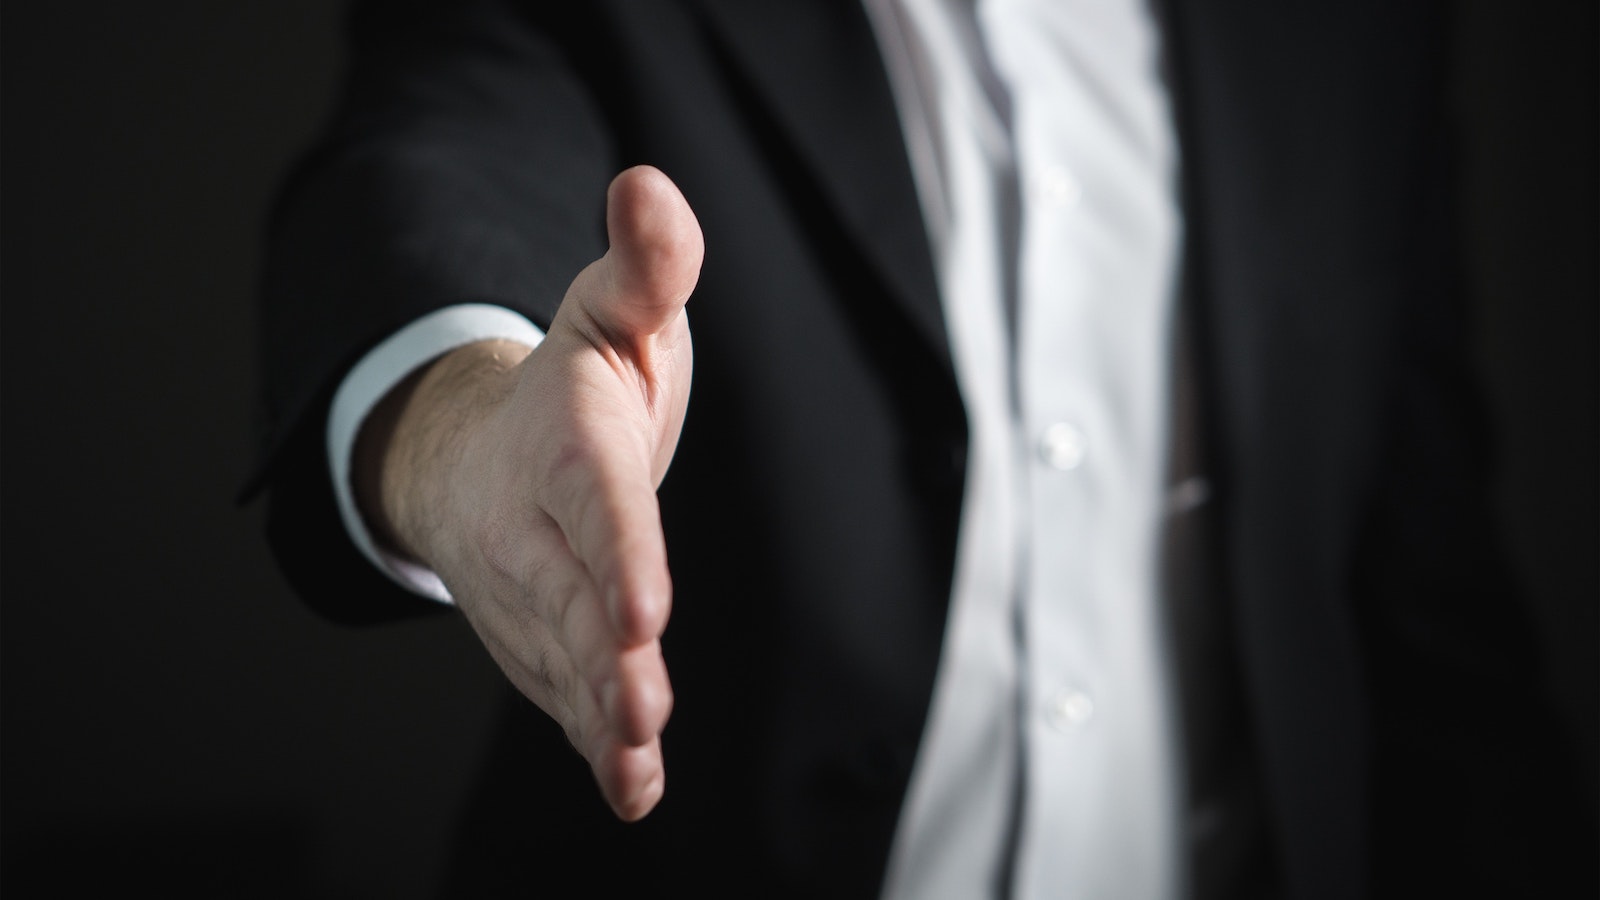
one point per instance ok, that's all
(385, 366)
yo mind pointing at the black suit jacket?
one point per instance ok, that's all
(812, 508)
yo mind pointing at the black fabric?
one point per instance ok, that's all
(811, 511)
(1229, 852)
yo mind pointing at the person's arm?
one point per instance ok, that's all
(467, 163)
(390, 370)
(527, 482)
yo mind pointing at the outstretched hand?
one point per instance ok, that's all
(527, 481)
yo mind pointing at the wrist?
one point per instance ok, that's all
(413, 442)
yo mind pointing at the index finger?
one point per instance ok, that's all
(600, 494)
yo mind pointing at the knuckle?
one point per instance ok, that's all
(547, 669)
(563, 601)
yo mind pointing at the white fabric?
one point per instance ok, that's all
(385, 366)
(1043, 155)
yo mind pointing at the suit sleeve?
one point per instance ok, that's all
(466, 163)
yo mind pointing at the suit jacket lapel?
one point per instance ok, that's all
(841, 120)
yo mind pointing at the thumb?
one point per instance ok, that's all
(638, 288)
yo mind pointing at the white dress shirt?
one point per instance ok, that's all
(1042, 149)
(1043, 153)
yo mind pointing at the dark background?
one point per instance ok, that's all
(170, 715)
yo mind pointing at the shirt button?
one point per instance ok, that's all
(1057, 186)
(1063, 447)
(1068, 709)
